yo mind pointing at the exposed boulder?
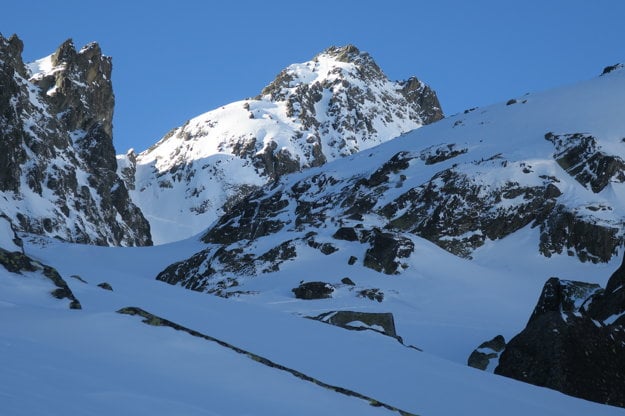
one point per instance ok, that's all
(372, 294)
(313, 290)
(386, 252)
(487, 354)
(382, 322)
(348, 281)
(574, 341)
(346, 233)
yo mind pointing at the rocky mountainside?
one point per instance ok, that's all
(58, 170)
(548, 167)
(551, 162)
(333, 106)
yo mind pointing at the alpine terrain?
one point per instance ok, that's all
(331, 247)
(333, 106)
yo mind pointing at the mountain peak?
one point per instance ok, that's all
(332, 106)
(347, 53)
(65, 52)
(57, 160)
(11, 53)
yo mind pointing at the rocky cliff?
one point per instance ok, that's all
(58, 170)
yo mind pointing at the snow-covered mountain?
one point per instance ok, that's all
(549, 162)
(357, 287)
(333, 106)
(57, 162)
(524, 190)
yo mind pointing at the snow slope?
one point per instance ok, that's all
(94, 361)
(335, 105)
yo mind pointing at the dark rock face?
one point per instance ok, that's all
(206, 270)
(458, 213)
(588, 238)
(581, 157)
(482, 356)
(386, 251)
(418, 93)
(574, 341)
(313, 290)
(346, 233)
(250, 220)
(56, 138)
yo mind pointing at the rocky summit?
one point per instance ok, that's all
(58, 170)
(333, 106)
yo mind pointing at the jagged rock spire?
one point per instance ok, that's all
(57, 160)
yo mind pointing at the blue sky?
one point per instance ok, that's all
(175, 60)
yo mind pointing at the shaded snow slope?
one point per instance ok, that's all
(333, 106)
(95, 361)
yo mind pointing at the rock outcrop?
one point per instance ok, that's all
(313, 290)
(13, 259)
(486, 356)
(574, 341)
(57, 162)
(382, 322)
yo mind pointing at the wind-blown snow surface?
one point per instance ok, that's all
(333, 106)
(96, 362)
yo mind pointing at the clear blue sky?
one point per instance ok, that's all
(174, 60)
